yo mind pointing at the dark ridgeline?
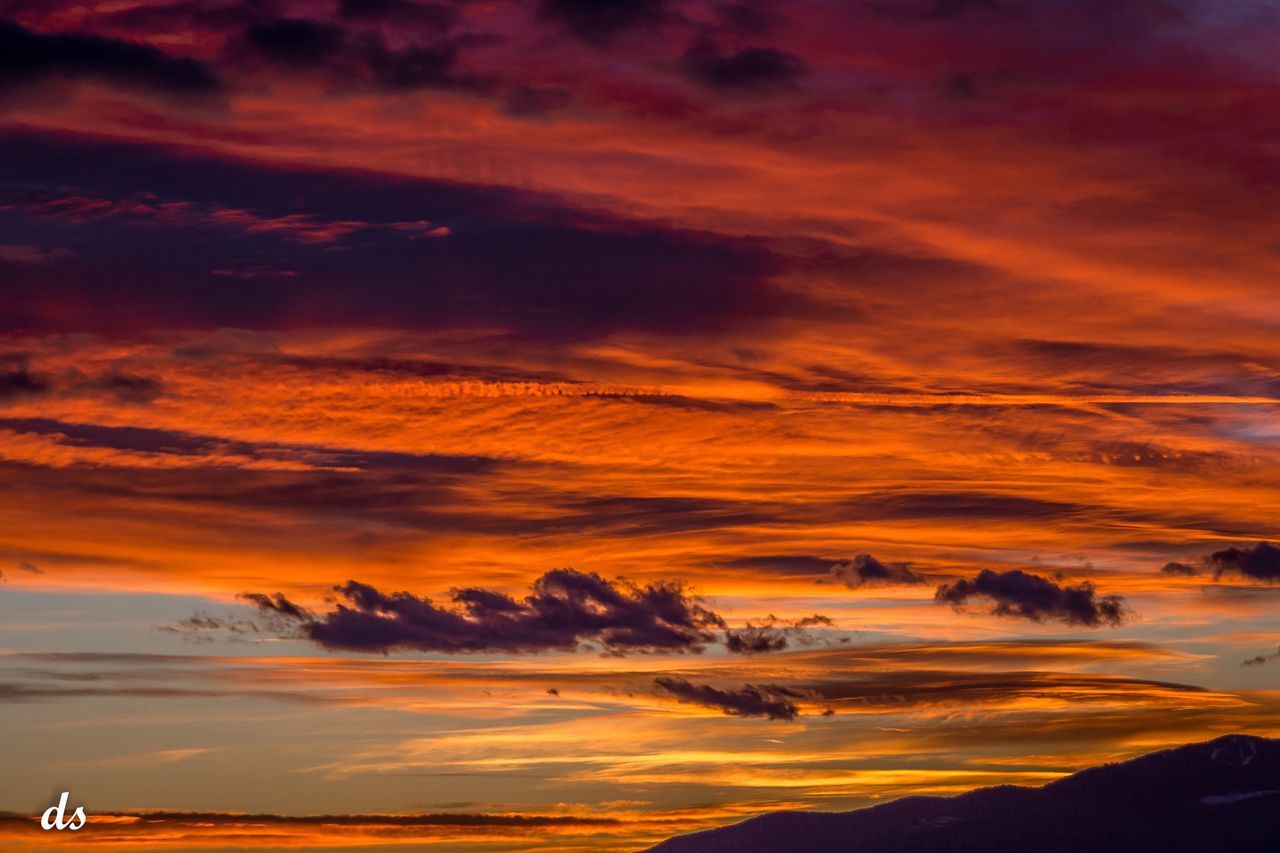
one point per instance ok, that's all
(1217, 797)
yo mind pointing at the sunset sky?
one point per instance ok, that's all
(479, 425)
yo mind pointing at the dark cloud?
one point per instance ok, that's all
(772, 701)
(1174, 569)
(1260, 562)
(296, 41)
(753, 69)
(1259, 660)
(958, 504)
(201, 627)
(351, 57)
(930, 688)
(866, 570)
(639, 516)
(27, 56)
(565, 610)
(773, 634)
(438, 16)
(277, 605)
(124, 387)
(390, 499)
(405, 466)
(511, 261)
(597, 21)
(30, 568)
(278, 617)
(17, 380)
(1020, 594)
(417, 67)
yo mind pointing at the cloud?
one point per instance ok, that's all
(149, 209)
(33, 255)
(27, 57)
(124, 387)
(597, 21)
(30, 568)
(1020, 594)
(753, 69)
(959, 504)
(296, 41)
(278, 605)
(436, 16)
(932, 688)
(1261, 659)
(565, 610)
(770, 701)
(17, 380)
(417, 254)
(361, 56)
(202, 628)
(1173, 569)
(419, 67)
(772, 635)
(1259, 562)
(866, 570)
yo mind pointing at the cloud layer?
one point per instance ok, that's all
(772, 701)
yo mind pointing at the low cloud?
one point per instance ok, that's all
(277, 605)
(773, 634)
(1260, 562)
(566, 610)
(1016, 593)
(750, 700)
(866, 570)
(1175, 569)
(203, 628)
(1259, 660)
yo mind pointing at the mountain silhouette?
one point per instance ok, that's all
(1222, 796)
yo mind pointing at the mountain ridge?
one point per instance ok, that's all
(1218, 795)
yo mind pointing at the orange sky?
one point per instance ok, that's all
(713, 297)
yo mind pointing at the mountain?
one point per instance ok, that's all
(1222, 796)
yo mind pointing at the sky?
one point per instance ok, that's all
(504, 425)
